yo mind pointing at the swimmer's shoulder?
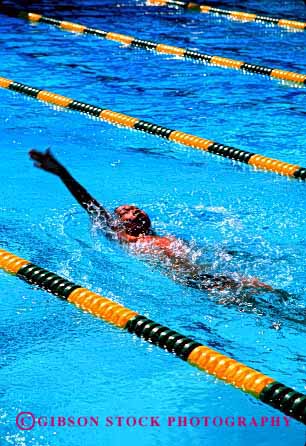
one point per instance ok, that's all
(155, 244)
(156, 240)
(148, 244)
(145, 239)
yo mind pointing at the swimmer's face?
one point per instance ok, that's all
(135, 220)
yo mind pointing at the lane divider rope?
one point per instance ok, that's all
(234, 15)
(160, 48)
(249, 380)
(186, 139)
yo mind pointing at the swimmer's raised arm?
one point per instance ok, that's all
(46, 161)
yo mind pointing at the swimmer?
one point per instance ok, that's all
(131, 226)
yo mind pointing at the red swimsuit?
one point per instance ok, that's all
(149, 244)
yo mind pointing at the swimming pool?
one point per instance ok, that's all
(59, 361)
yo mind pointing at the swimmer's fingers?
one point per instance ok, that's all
(46, 161)
(35, 155)
(41, 156)
(255, 283)
(263, 285)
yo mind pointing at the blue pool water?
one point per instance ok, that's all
(59, 361)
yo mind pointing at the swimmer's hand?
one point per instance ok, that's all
(46, 161)
(255, 283)
(257, 287)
